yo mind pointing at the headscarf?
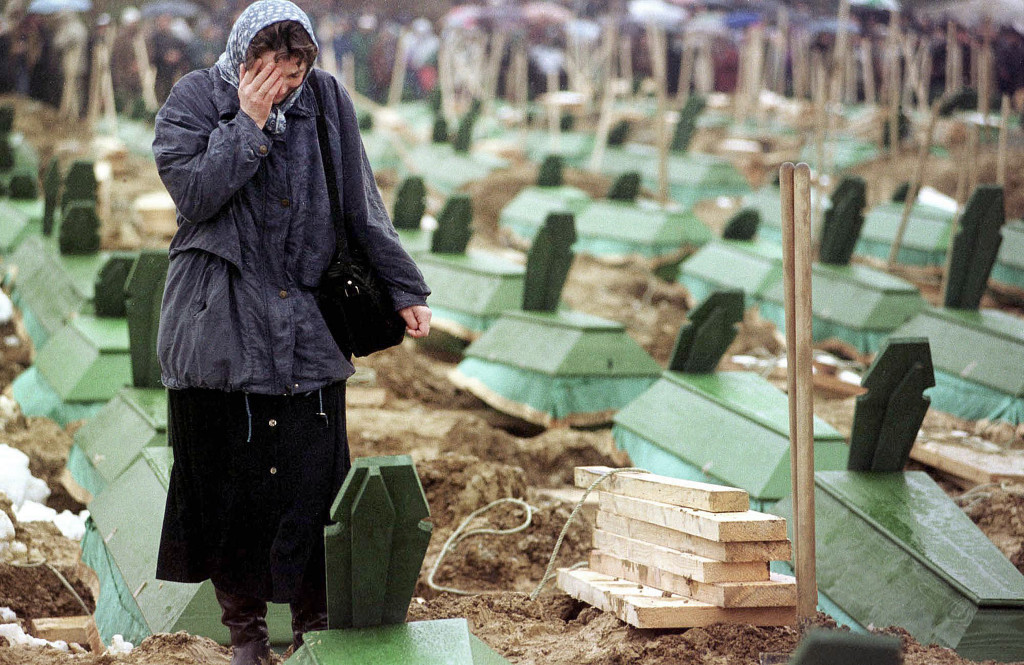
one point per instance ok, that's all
(257, 16)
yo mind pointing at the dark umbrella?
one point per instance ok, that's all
(169, 7)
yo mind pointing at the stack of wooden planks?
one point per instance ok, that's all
(673, 553)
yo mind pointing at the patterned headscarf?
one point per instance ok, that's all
(257, 16)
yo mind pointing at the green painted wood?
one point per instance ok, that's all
(692, 176)
(625, 188)
(143, 294)
(708, 333)
(23, 185)
(927, 228)
(476, 284)
(453, 226)
(6, 119)
(843, 221)
(51, 195)
(525, 214)
(743, 225)
(932, 570)
(687, 124)
(754, 266)
(362, 518)
(985, 347)
(856, 297)
(888, 417)
(15, 225)
(135, 419)
(548, 263)
(108, 298)
(550, 172)
(820, 647)
(643, 228)
(975, 248)
(129, 517)
(79, 184)
(567, 344)
(439, 642)
(574, 146)
(373, 521)
(79, 228)
(447, 170)
(1011, 251)
(410, 204)
(733, 425)
(88, 360)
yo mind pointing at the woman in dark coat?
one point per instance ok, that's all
(257, 384)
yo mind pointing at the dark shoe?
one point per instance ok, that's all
(309, 613)
(246, 620)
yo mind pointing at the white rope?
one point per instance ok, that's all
(63, 580)
(565, 529)
(458, 536)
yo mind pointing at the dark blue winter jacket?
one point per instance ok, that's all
(255, 234)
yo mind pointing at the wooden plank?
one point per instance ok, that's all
(974, 465)
(696, 567)
(722, 527)
(76, 629)
(765, 550)
(778, 591)
(644, 607)
(686, 493)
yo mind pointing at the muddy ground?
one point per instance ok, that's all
(468, 456)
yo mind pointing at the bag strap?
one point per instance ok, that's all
(340, 231)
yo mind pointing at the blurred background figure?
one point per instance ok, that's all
(70, 41)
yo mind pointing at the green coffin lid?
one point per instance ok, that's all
(575, 147)
(927, 229)
(857, 296)
(15, 224)
(129, 515)
(532, 205)
(563, 344)
(440, 642)
(985, 346)
(1011, 251)
(87, 360)
(754, 266)
(474, 283)
(735, 425)
(134, 419)
(448, 170)
(641, 225)
(912, 511)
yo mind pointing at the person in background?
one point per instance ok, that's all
(256, 399)
(167, 53)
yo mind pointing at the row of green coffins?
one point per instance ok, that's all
(21, 211)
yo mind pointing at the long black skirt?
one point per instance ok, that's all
(251, 488)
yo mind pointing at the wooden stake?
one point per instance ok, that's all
(685, 71)
(398, 70)
(961, 199)
(499, 40)
(626, 61)
(348, 71)
(1004, 119)
(868, 65)
(915, 184)
(656, 45)
(786, 182)
(554, 121)
(801, 388)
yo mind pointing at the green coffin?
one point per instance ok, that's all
(727, 427)
(556, 368)
(925, 239)
(753, 266)
(893, 549)
(137, 135)
(856, 303)
(525, 214)
(767, 201)
(440, 642)
(616, 228)
(380, 151)
(446, 170)
(574, 147)
(128, 516)
(415, 241)
(846, 153)
(1009, 266)
(981, 348)
(470, 291)
(135, 419)
(18, 219)
(691, 176)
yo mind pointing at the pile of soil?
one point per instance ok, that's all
(47, 444)
(999, 513)
(15, 351)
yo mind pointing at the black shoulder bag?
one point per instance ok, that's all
(353, 298)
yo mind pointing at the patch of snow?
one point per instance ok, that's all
(17, 481)
(6, 527)
(6, 309)
(70, 525)
(7, 615)
(15, 635)
(119, 646)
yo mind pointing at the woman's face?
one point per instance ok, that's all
(293, 72)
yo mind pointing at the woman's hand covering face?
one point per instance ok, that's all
(259, 88)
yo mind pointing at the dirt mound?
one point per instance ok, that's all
(47, 444)
(407, 374)
(456, 485)
(179, 649)
(999, 512)
(946, 176)
(32, 586)
(15, 351)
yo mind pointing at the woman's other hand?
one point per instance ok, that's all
(258, 88)
(417, 320)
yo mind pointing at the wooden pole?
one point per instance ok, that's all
(781, 51)
(915, 184)
(554, 121)
(961, 198)
(656, 45)
(348, 71)
(797, 268)
(685, 72)
(328, 56)
(868, 64)
(952, 85)
(786, 178)
(398, 69)
(626, 60)
(1004, 119)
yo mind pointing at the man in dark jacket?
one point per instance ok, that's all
(256, 400)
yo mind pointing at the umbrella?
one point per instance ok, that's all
(830, 25)
(169, 7)
(54, 6)
(464, 16)
(658, 12)
(545, 13)
(740, 20)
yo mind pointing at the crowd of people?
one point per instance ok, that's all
(39, 52)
